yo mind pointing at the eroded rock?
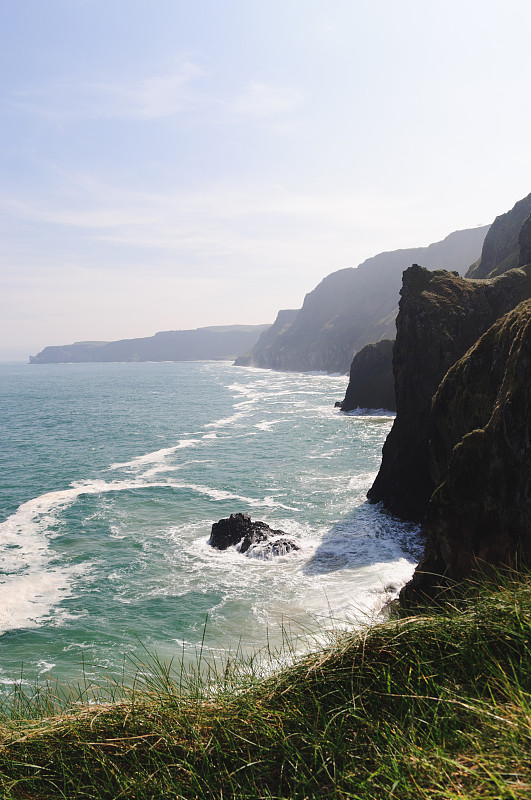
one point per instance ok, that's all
(252, 538)
(371, 383)
(501, 247)
(480, 512)
(441, 315)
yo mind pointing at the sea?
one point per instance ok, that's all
(111, 476)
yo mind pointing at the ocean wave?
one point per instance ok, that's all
(31, 586)
(154, 457)
(220, 423)
(369, 412)
(267, 425)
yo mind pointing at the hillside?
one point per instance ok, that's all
(222, 342)
(502, 247)
(354, 307)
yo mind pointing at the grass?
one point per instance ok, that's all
(436, 705)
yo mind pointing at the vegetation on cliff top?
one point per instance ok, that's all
(432, 706)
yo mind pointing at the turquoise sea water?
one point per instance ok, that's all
(111, 476)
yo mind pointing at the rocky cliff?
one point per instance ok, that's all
(371, 383)
(222, 342)
(524, 243)
(480, 511)
(354, 307)
(441, 315)
(501, 247)
(268, 338)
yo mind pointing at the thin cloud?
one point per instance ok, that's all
(263, 100)
(154, 97)
(215, 227)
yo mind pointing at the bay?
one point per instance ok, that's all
(111, 476)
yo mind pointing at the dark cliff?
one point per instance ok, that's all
(354, 307)
(480, 511)
(222, 342)
(371, 383)
(441, 315)
(501, 247)
(524, 243)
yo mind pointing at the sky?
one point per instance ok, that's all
(170, 164)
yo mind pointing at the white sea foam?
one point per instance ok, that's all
(31, 586)
(157, 457)
(222, 494)
(221, 423)
(27, 600)
(45, 666)
(139, 462)
(369, 412)
(267, 425)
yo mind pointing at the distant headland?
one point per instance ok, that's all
(217, 342)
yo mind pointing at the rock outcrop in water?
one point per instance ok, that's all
(441, 316)
(353, 307)
(221, 342)
(480, 512)
(371, 383)
(252, 538)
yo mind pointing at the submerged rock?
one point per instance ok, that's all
(253, 538)
(268, 549)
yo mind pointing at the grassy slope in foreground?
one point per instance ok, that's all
(432, 706)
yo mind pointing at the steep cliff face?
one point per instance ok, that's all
(480, 512)
(524, 242)
(501, 247)
(441, 315)
(371, 383)
(284, 320)
(354, 307)
(332, 323)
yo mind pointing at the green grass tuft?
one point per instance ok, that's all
(436, 705)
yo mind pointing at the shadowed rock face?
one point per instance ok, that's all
(353, 307)
(501, 247)
(524, 241)
(441, 315)
(371, 383)
(480, 512)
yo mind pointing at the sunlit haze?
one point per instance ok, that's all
(180, 163)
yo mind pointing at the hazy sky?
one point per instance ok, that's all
(176, 163)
